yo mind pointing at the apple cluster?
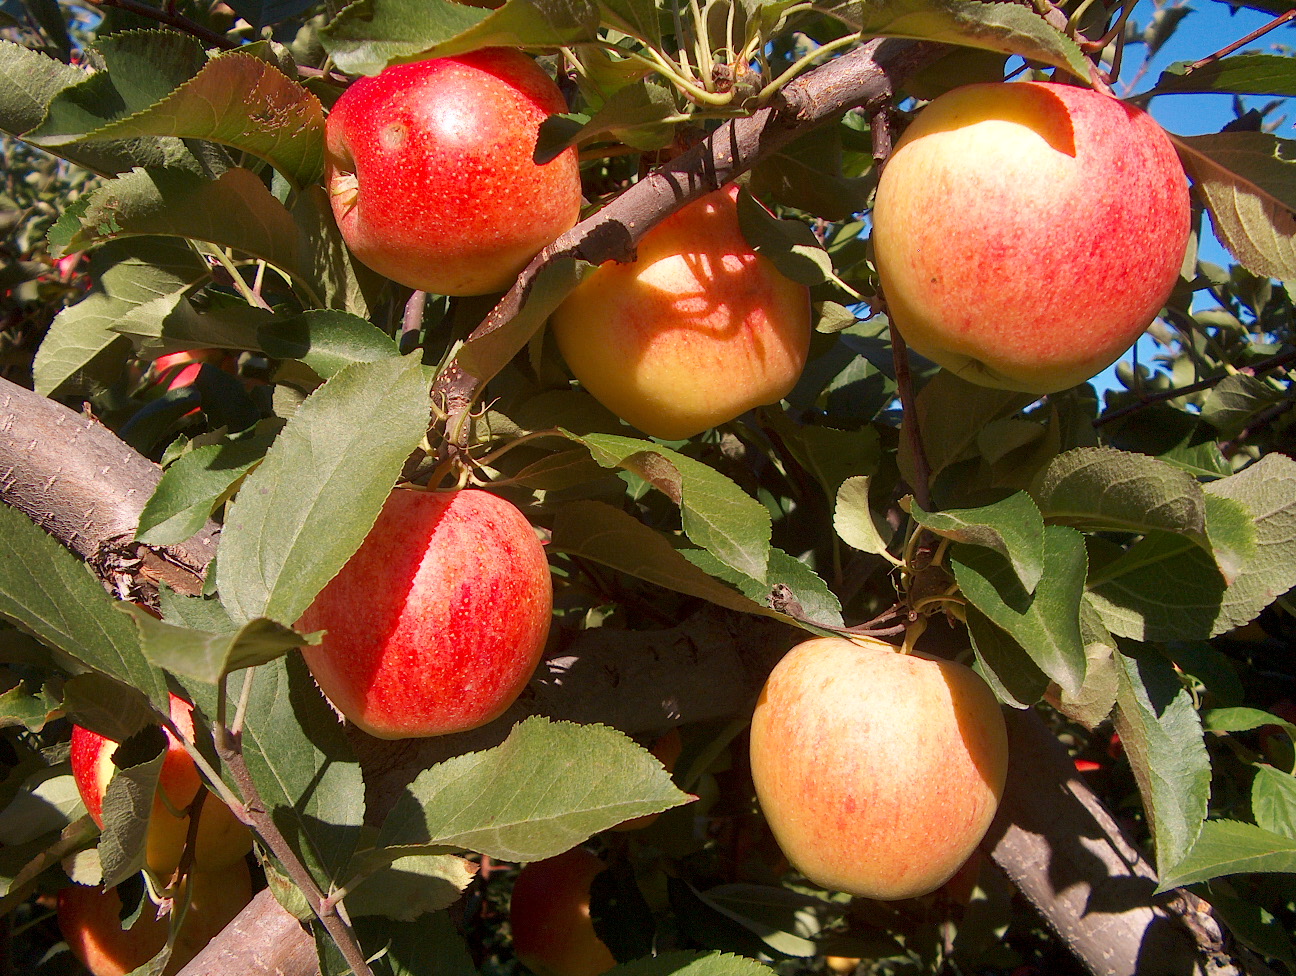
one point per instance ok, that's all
(215, 886)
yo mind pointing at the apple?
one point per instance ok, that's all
(549, 914)
(667, 751)
(430, 173)
(222, 838)
(437, 621)
(877, 771)
(89, 919)
(693, 332)
(1027, 233)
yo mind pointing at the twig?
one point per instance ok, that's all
(1264, 366)
(172, 19)
(1258, 32)
(1262, 420)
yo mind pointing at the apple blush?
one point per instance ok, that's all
(437, 621)
(430, 171)
(1027, 233)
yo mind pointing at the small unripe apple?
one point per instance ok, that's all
(549, 914)
(430, 171)
(878, 772)
(221, 839)
(695, 331)
(1027, 233)
(437, 621)
(89, 919)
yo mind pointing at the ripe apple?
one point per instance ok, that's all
(430, 172)
(437, 621)
(667, 749)
(550, 917)
(878, 772)
(693, 332)
(89, 919)
(1027, 233)
(222, 838)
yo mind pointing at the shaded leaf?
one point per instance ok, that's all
(1045, 623)
(1244, 73)
(327, 341)
(411, 886)
(1004, 664)
(1249, 182)
(1162, 735)
(1012, 527)
(789, 244)
(853, 518)
(1273, 801)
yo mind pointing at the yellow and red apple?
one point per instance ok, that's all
(431, 176)
(549, 914)
(437, 621)
(878, 772)
(695, 331)
(89, 919)
(221, 838)
(1026, 234)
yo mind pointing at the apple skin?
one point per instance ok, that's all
(89, 919)
(1026, 234)
(878, 772)
(550, 916)
(430, 173)
(438, 620)
(693, 332)
(222, 838)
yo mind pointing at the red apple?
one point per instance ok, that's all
(549, 914)
(878, 772)
(1026, 234)
(89, 919)
(437, 622)
(693, 332)
(222, 838)
(430, 172)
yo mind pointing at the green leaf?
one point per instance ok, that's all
(1101, 489)
(128, 804)
(52, 594)
(634, 114)
(597, 531)
(31, 710)
(235, 99)
(831, 455)
(411, 886)
(139, 285)
(1245, 73)
(327, 341)
(789, 244)
(1229, 847)
(1004, 664)
(1005, 27)
(210, 656)
(1046, 623)
(299, 517)
(716, 514)
(370, 34)
(546, 788)
(951, 416)
(1273, 801)
(304, 768)
(1162, 736)
(136, 69)
(1249, 182)
(807, 174)
(691, 964)
(853, 518)
(1012, 527)
(789, 586)
(196, 483)
(432, 947)
(789, 922)
(338, 279)
(234, 210)
(1233, 402)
